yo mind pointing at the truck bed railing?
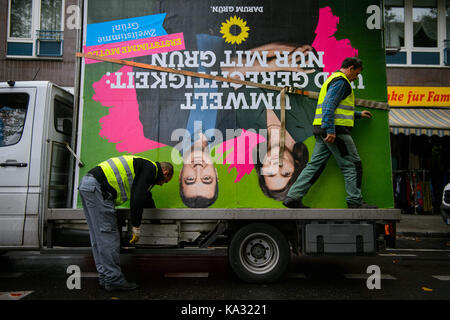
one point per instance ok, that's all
(243, 214)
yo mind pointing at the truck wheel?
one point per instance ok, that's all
(259, 253)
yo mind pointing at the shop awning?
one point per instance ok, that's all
(420, 121)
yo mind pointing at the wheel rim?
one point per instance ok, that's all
(259, 253)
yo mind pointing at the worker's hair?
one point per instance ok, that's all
(167, 166)
(353, 61)
(198, 202)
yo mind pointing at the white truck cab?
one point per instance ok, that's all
(35, 125)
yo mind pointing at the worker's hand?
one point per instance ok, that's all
(366, 114)
(136, 231)
(330, 138)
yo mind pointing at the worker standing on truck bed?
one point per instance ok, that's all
(114, 182)
(333, 122)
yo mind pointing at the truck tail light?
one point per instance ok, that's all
(388, 229)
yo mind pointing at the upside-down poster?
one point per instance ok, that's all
(222, 137)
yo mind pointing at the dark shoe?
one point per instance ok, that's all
(292, 203)
(361, 206)
(101, 282)
(126, 286)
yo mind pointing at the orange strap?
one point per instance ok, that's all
(184, 72)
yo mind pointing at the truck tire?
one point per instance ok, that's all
(259, 253)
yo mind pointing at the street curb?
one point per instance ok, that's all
(424, 234)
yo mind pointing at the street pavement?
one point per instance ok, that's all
(418, 269)
(423, 226)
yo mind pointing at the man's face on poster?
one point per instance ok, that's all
(198, 177)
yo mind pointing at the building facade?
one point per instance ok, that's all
(417, 34)
(38, 40)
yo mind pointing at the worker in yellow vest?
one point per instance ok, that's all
(333, 122)
(114, 182)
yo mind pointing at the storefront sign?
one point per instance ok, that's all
(419, 96)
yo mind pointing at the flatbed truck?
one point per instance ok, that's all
(50, 138)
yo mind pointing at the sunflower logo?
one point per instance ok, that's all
(237, 23)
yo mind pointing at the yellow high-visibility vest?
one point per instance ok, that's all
(345, 112)
(119, 172)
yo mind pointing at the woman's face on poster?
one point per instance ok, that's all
(276, 177)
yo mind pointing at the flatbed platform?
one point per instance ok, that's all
(243, 214)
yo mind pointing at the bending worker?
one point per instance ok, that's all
(333, 122)
(113, 182)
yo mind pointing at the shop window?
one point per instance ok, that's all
(447, 18)
(424, 15)
(447, 39)
(35, 28)
(13, 109)
(416, 31)
(396, 58)
(429, 58)
(394, 16)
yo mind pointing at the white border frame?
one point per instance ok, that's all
(76, 177)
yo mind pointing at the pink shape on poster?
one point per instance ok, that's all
(241, 157)
(335, 50)
(122, 125)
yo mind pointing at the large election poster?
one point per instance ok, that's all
(223, 138)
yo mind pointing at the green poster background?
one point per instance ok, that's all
(371, 136)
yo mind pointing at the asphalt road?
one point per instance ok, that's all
(419, 269)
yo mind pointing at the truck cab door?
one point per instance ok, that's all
(16, 124)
